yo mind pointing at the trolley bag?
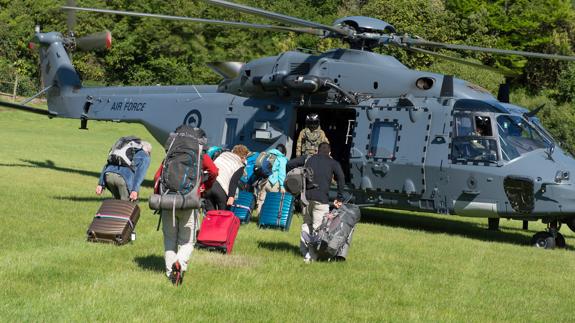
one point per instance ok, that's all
(277, 211)
(243, 206)
(218, 231)
(334, 236)
(114, 222)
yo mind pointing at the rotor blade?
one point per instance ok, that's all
(420, 42)
(71, 16)
(462, 61)
(101, 40)
(207, 21)
(26, 108)
(279, 17)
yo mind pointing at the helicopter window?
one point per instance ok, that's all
(230, 132)
(383, 139)
(518, 137)
(470, 143)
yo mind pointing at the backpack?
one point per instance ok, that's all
(264, 164)
(214, 152)
(182, 171)
(299, 179)
(123, 151)
(249, 177)
(334, 236)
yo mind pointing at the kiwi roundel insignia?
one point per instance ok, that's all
(193, 118)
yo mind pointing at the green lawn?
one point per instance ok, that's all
(402, 266)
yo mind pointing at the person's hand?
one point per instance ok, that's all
(337, 204)
(230, 201)
(329, 216)
(202, 189)
(282, 190)
(133, 196)
(99, 190)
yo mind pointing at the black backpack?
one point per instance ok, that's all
(182, 170)
(123, 151)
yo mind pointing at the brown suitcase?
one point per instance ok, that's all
(114, 222)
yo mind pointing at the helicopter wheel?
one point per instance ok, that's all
(493, 224)
(544, 240)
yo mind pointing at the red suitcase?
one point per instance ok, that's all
(218, 231)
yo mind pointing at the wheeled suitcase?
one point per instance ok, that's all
(114, 222)
(218, 231)
(243, 206)
(277, 211)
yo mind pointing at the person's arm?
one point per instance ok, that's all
(340, 179)
(101, 183)
(142, 164)
(298, 144)
(324, 137)
(209, 166)
(296, 162)
(234, 181)
(282, 166)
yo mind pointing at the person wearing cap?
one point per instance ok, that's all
(310, 137)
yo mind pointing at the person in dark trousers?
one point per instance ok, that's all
(124, 181)
(324, 169)
(230, 169)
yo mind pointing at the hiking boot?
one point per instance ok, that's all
(177, 275)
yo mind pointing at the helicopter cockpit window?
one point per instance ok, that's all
(518, 137)
(473, 139)
(383, 140)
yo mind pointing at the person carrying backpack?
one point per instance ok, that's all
(125, 169)
(274, 182)
(324, 170)
(179, 183)
(230, 170)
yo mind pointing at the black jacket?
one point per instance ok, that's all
(324, 169)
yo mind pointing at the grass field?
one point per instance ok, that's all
(402, 266)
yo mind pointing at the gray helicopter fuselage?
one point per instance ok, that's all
(401, 143)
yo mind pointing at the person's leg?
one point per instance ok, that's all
(117, 186)
(170, 244)
(305, 229)
(263, 188)
(209, 200)
(220, 196)
(186, 234)
(319, 212)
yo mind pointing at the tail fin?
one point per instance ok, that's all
(59, 77)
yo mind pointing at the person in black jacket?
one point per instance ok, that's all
(324, 170)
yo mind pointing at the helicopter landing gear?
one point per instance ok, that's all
(493, 224)
(549, 239)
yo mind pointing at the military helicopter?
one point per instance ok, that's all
(407, 139)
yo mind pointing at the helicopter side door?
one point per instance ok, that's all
(389, 150)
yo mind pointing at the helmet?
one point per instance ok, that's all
(312, 121)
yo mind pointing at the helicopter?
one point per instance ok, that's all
(406, 139)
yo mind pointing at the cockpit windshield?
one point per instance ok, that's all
(518, 137)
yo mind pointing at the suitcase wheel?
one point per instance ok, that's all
(90, 235)
(119, 239)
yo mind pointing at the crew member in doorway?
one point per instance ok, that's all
(310, 137)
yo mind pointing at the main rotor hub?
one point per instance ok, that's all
(367, 31)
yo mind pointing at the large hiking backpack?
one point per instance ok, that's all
(123, 151)
(334, 236)
(298, 180)
(181, 174)
(264, 164)
(183, 163)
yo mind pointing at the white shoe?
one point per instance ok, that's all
(307, 259)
